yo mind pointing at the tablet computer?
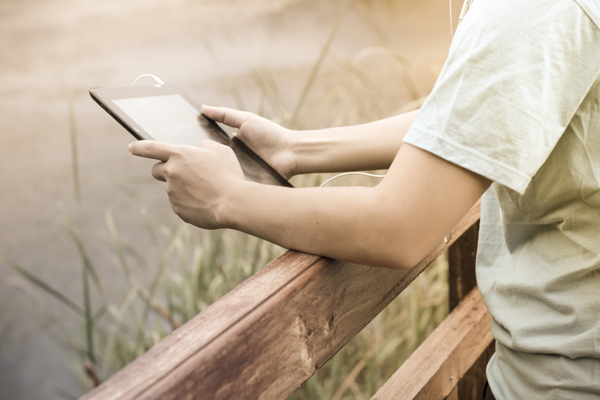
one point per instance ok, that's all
(165, 113)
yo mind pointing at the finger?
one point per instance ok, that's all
(152, 149)
(158, 171)
(227, 116)
(211, 145)
(215, 147)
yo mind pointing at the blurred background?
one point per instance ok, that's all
(94, 266)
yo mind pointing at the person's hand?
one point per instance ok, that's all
(199, 179)
(270, 141)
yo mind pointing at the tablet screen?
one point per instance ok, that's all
(169, 118)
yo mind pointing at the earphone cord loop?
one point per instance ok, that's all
(156, 79)
(350, 173)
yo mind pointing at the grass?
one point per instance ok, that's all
(113, 332)
(73, 141)
(196, 268)
(314, 71)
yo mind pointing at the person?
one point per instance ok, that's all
(514, 117)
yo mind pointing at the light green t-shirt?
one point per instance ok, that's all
(518, 101)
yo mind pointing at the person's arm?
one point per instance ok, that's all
(393, 225)
(354, 148)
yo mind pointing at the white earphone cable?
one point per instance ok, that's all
(350, 173)
(156, 79)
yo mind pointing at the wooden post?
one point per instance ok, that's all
(461, 280)
(461, 266)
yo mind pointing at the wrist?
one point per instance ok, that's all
(294, 142)
(308, 149)
(230, 208)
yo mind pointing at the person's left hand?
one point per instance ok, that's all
(198, 178)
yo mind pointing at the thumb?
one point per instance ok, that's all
(227, 116)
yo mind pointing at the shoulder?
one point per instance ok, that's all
(526, 23)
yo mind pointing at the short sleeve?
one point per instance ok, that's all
(516, 73)
(592, 9)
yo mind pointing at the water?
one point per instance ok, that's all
(206, 47)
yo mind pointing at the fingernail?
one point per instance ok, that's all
(130, 147)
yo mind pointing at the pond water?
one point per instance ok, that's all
(218, 51)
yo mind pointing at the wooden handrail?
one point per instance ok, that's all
(270, 334)
(433, 371)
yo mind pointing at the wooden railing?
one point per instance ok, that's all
(270, 334)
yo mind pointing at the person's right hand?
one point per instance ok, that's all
(272, 142)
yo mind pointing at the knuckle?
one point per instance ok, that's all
(170, 171)
(177, 153)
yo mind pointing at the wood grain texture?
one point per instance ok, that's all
(471, 385)
(270, 334)
(453, 395)
(461, 280)
(433, 371)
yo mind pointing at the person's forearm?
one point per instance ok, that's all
(353, 148)
(394, 225)
(341, 223)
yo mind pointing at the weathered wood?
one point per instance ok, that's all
(433, 371)
(453, 395)
(270, 334)
(471, 385)
(461, 280)
(461, 266)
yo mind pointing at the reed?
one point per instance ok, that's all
(314, 71)
(73, 141)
